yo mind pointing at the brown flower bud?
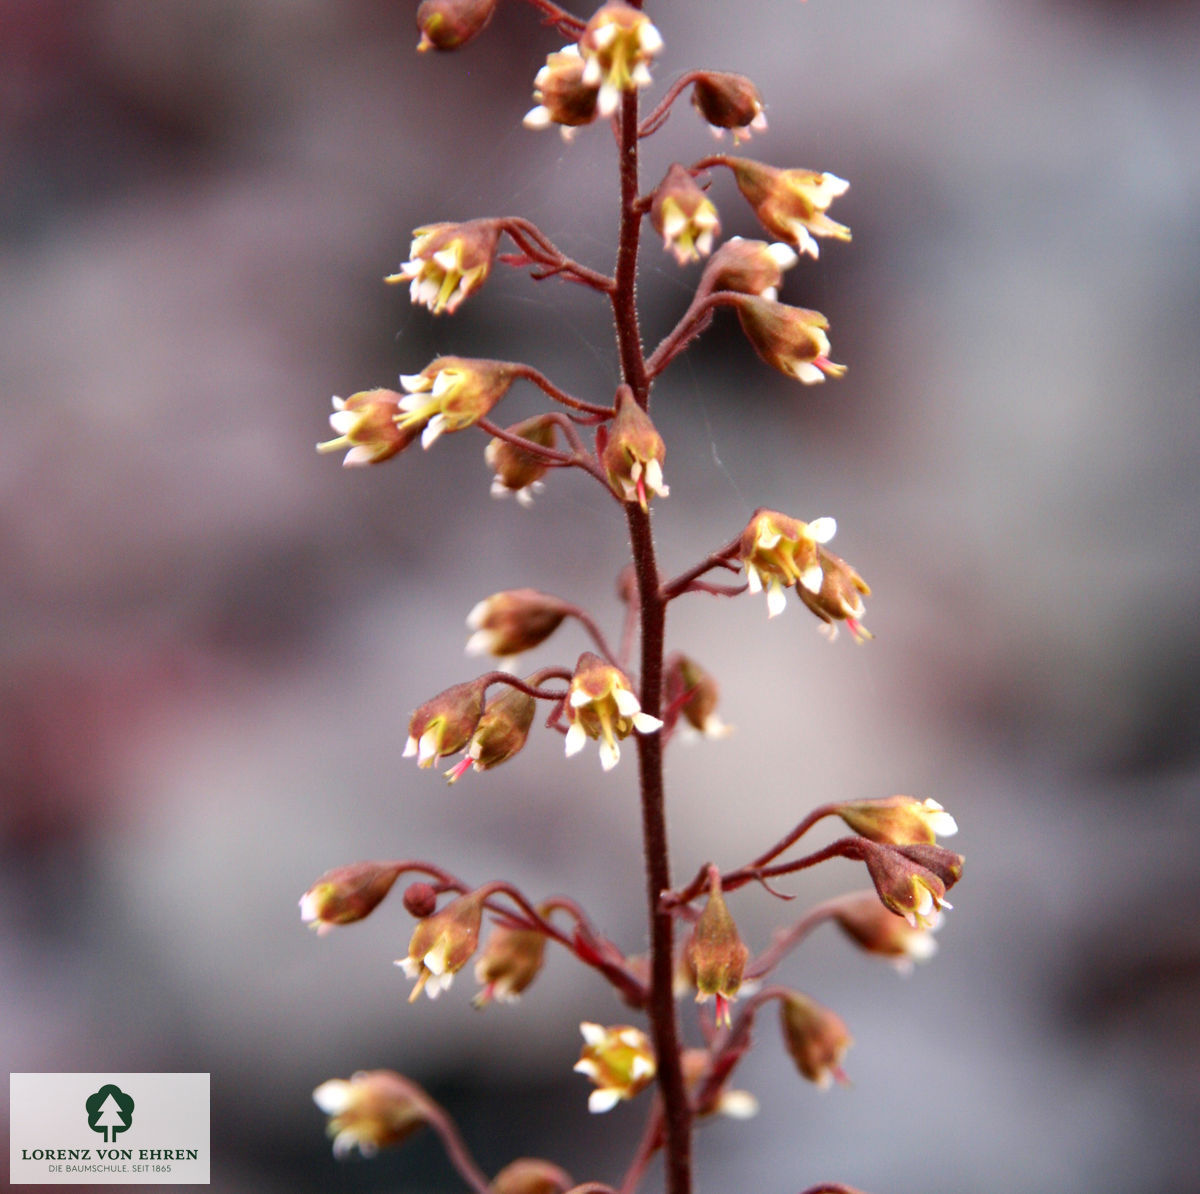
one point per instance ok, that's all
(877, 930)
(791, 204)
(684, 216)
(500, 734)
(442, 944)
(728, 101)
(513, 621)
(450, 24)
(510, 961)
(563, 98)
(346, 894)
(748, 267)
(716, 952)
(366, 425)
(790, 339)
(693, 692)
(815, 1037)
(518, 470)
(632, 453)
(907, 887)
(897, 820)
(530, 1175)
(371, 1110)
(443, 726)
(840, 597)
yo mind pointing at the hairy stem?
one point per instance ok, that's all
(664, 1030)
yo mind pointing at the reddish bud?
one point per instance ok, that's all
(563, 98)
(632, 453)
(510, 961)
(500, 734)
(840, 597)
(728, 101)
(815, 1037)
(790, 339)
(346, 894)
(791, 204)
(513, 621)
(684, 216)
(518, 470)
(530, 1175)
(879, 931)
(442, 944)
(443, 726)
(897, 820)
(716, 952)
(694, 693)
(420, 900)
(450, 24)
(748, 267)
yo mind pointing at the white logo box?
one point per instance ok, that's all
(109, 1129)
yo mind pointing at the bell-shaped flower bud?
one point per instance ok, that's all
(448, 262)
(530, 1175)
(366, 426)
(694, 693)
(601, 705)
(908, 888)
(371, 1110)
(346, 894)
(878, 931)
(518, 470)
(790, 339)
(443, 726)
(815, 1037)
(619, 1060)
(749, 267)
(839, 599)
(442, 944)
(500, 734)
(450, 24)
(945, 864)
(684, 216)
(511, 959)
(632, 453)
(617, 46)
(897, 820)
(563, 98)
(716, 953)
(729, 101)
(513, 621)
(778, 551)
(451, 393)
(791, 204)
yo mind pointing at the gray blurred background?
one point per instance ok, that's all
(213, 637)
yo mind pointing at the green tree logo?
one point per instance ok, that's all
(109, 1110)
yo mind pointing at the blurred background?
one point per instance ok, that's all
(213, 637)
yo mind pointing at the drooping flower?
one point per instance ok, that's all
(715, 952)
(778, 551)
(619, 1060)
(513, 621)
(451, 393)
(443, 725)
(728, 101)
(442, 944)
(897, 820)
(511, 959)
(563, 98)
(815, 1037)
(633, 452)
(366, 426)
(518, 470)
(684, 216)
(500, 734)
(908, 887)
(878, 930)
(346, 894)
(791, 204)
(601, 705)
(693, 692)
(450, 24)
(448, 262)
(749, 267)
(790, 339)
(617, 46)
(371, 1110)
(840, 597)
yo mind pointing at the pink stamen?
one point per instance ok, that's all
(458, 769)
